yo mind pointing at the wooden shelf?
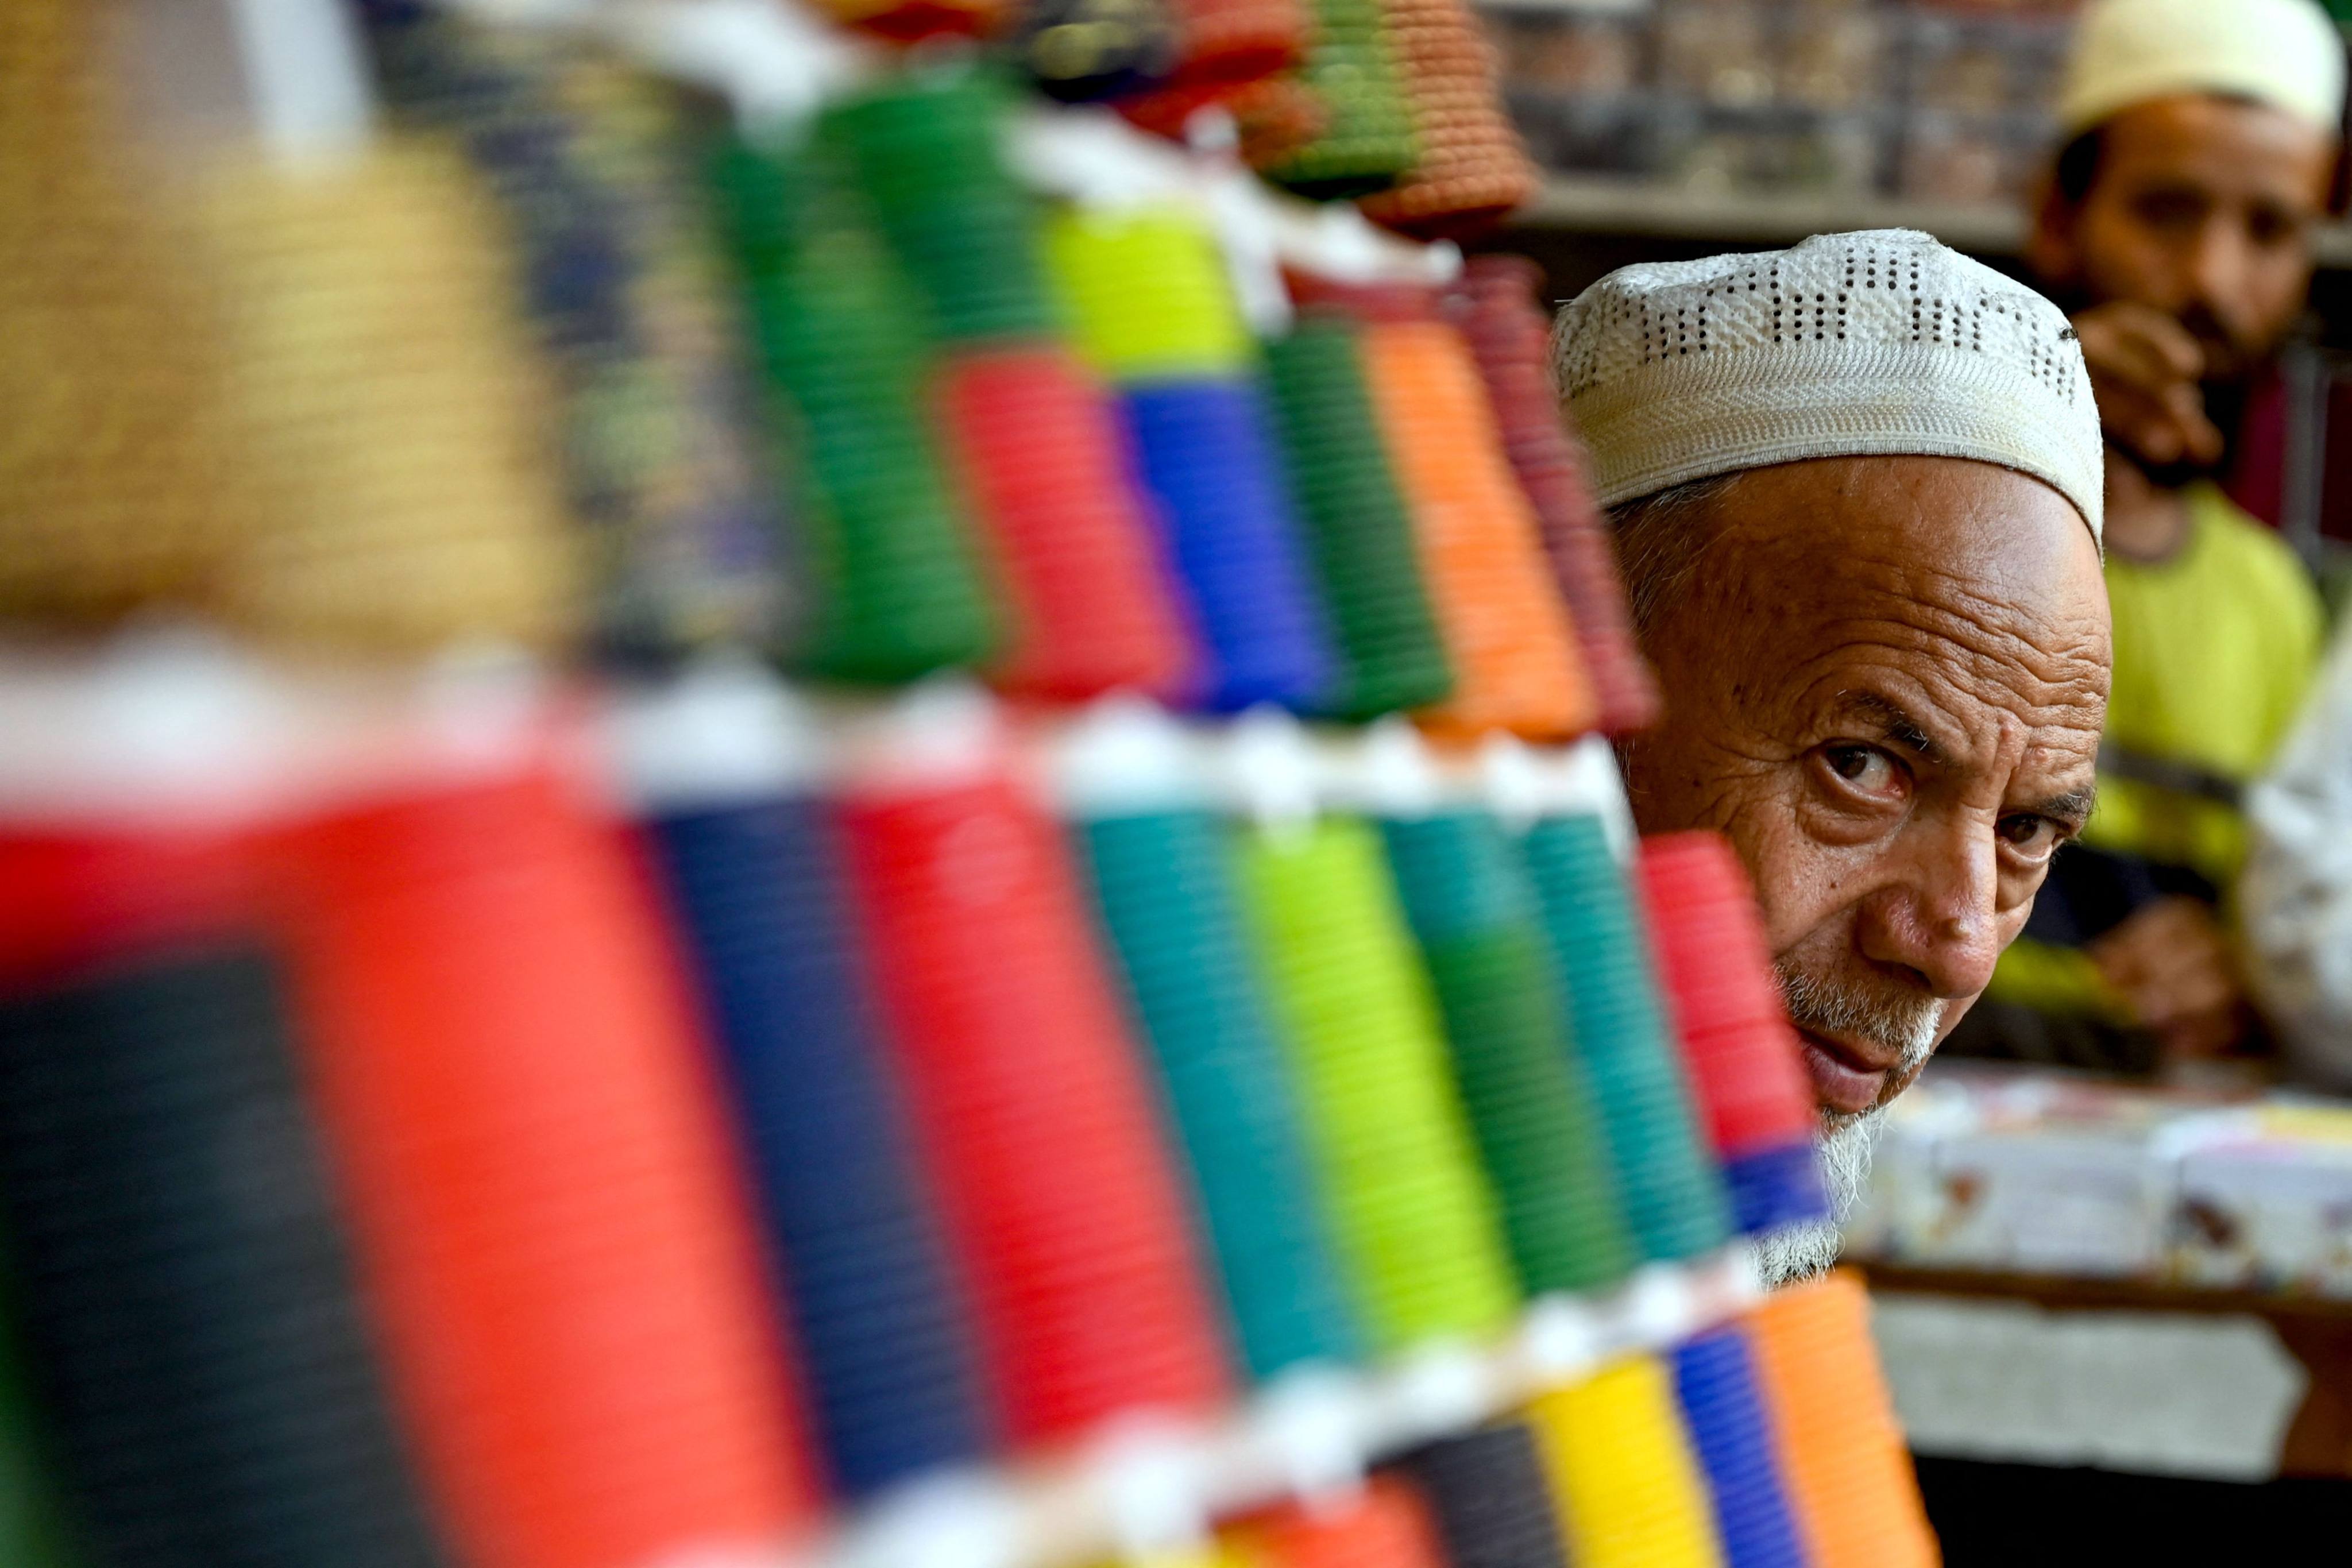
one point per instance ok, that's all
(1596, 205)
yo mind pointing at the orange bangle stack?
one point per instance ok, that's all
(1497, 306)
(1514, 653)
(1473, 169)
(1387, 1525)
(533, 1165)
(1856, 1498)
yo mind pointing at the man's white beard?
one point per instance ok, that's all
(1797, 1252)
(1906, 1024)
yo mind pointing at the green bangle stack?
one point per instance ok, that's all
(927, 152)
(1474, 914)
(1360, 534)
(1674, 1194)
(899, 587)
(1368, 140)
(1164, 886)
(1415, 1219)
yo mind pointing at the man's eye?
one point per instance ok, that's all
(2033, 837)
(2269, 226)
(1866, 768)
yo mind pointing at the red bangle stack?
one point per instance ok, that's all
(78, 896)
(546, 1211)
(1051, 1169)
(1095, 606)
(1718, 979)
(1234, 41)
(1229, 52)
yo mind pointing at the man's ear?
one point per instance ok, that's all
(2050, 248)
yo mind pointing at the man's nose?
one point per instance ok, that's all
(2217, 267)
(1937, 915)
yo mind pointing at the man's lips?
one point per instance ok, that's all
(1844, 1077)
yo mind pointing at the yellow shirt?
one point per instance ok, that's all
(2214, 649)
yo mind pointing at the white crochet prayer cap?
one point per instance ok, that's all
(2284, 53)
(1882, 343)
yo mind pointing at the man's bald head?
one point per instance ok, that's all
(1884, 680)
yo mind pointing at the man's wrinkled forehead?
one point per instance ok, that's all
(1895, 576)
(1877, 533)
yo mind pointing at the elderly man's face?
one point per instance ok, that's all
(1885, 681)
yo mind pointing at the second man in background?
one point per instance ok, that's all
(2176, 229)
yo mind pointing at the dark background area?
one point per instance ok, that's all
(2024, 1516)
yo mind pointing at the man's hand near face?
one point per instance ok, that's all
(2145, 372)
(2174, 969)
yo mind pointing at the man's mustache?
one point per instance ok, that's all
(1905, 1021)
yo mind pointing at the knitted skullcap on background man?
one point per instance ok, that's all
(1882, 343)
(2284, 53)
